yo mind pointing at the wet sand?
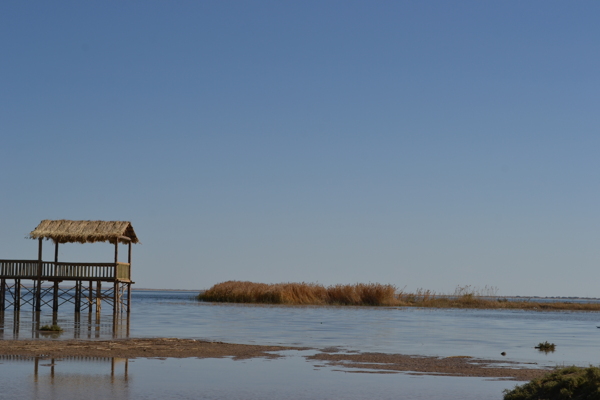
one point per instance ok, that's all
(181, 348)
(417, 365)
(133, 348)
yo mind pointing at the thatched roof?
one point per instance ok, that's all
(66, 231)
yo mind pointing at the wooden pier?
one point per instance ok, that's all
(36, 282)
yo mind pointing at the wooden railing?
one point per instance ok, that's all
(29, 269)
(19, 268)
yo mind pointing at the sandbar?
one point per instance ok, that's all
(347, 361)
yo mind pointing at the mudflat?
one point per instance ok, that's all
(133, 348)
(418, 365)
(181, 348)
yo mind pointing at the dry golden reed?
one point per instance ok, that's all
(360, 294)
(376, 294)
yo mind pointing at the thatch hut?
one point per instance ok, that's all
(67, 231)
(118, 274)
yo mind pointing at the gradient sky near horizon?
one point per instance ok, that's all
(427, 144)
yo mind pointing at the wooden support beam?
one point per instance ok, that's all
(56, 252)
(129, 256)
(16, 324)
(98, 297)
(116, 251)
(128, 298)
(17, 304)
(38, 286)
(77, 296)
(55, 298)
(77, 323)
(91, 293)
(116, 307)
(2, 295)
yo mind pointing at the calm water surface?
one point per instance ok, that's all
(433, 332)
(287, 378)
(477, 333)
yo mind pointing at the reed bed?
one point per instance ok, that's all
(376, 294)
(360, 294)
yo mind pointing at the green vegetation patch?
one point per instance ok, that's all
(571, 383)
(546, 347)
(51, 328)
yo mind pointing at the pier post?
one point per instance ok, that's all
(2, 295)
(116, 308)
(115, 325)
(91, 296)
(36, 323)
(98, 296)
(97, 326)
(77, 296)
(38, 289)
(17, 295)
(16, 324)
(128, 298)
(77, 325)
(89, 324)
(55, 298)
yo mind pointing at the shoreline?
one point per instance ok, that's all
(190, 348)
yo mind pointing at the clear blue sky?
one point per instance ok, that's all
(424, 144)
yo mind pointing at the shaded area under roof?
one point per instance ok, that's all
(67, 231)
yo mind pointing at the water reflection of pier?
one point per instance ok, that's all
(26, 325)
(52, 362)
(83, 375)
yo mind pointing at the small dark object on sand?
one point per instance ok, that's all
(503, 353)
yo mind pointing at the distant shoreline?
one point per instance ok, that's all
(380, 295)
(167, 290)
(524, 298)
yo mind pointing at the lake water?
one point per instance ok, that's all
(431, 332)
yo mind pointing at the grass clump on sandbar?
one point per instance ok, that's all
(376, 294)
(546, 347)
(51, 328)
(572, 383)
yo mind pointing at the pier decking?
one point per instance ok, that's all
(50, 271)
